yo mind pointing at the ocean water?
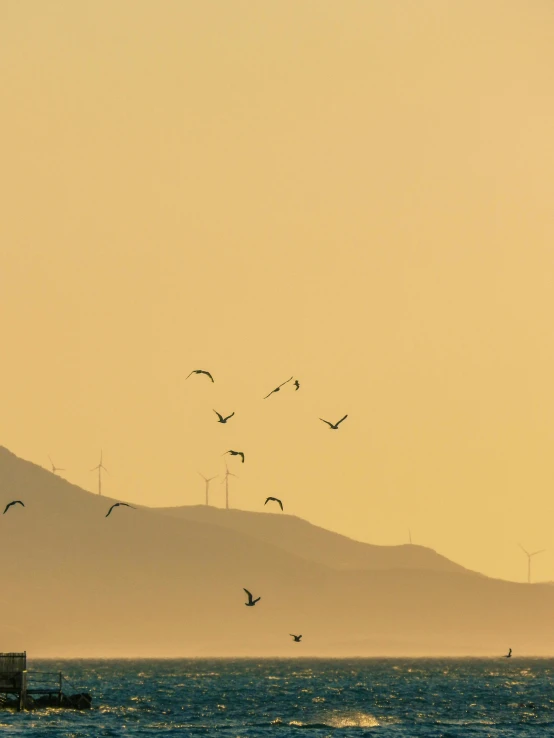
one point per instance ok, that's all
(239, 698)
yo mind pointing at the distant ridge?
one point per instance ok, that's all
(151, 584)
(302, 538)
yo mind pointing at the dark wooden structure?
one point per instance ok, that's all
(13, 677)
(23, 689)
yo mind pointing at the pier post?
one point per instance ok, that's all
(61, 690)
(22, 704)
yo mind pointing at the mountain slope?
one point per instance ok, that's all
(316, 544)
(144, 583)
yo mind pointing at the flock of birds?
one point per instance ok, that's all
(223, 419)
(220, 419)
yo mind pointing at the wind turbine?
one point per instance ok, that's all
(100, 467)
(529, 555)
(226, 480)
(207, 484)
(55, 468)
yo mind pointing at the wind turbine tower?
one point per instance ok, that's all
(55, 468)
(100, 467)
(529, 555)
(226, 480)
(207, 480)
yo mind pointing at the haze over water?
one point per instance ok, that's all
(238, 698)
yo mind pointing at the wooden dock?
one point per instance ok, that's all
(24, 689)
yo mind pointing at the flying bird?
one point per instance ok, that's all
(117, 504)
(221, 418)
(15, 502)
(251, 602)
(235, 453)
(334, 426)
(274, 499)
(277, 388)
(508, 655)
(296, 638)
(201, 371)
(296, 384)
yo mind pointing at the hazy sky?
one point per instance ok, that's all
(358, 193)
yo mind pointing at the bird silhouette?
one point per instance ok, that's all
(296, 384)
(277, 388)
(508, 655)
(221, 418)
(235, 453)
(296, 638)
(334, 426)
(117, 504)
(201, 371)
(15, 502)
(251, 602)
(274, 499)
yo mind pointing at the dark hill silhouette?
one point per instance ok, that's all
(313, 543)
(143, 583)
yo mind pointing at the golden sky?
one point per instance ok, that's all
(357, 193)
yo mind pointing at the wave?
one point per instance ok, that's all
(332, 722)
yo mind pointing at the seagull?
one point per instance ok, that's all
(274, 499)
(55, 468)
(235, 453)
(296, 384)
(117, 504)
(221, 418)
(296, 638)
(508, 655)
(201, 371)
(251, 602)
(277, 388)
(336, 425)
(15, 502)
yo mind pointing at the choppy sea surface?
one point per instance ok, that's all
(239, 698)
